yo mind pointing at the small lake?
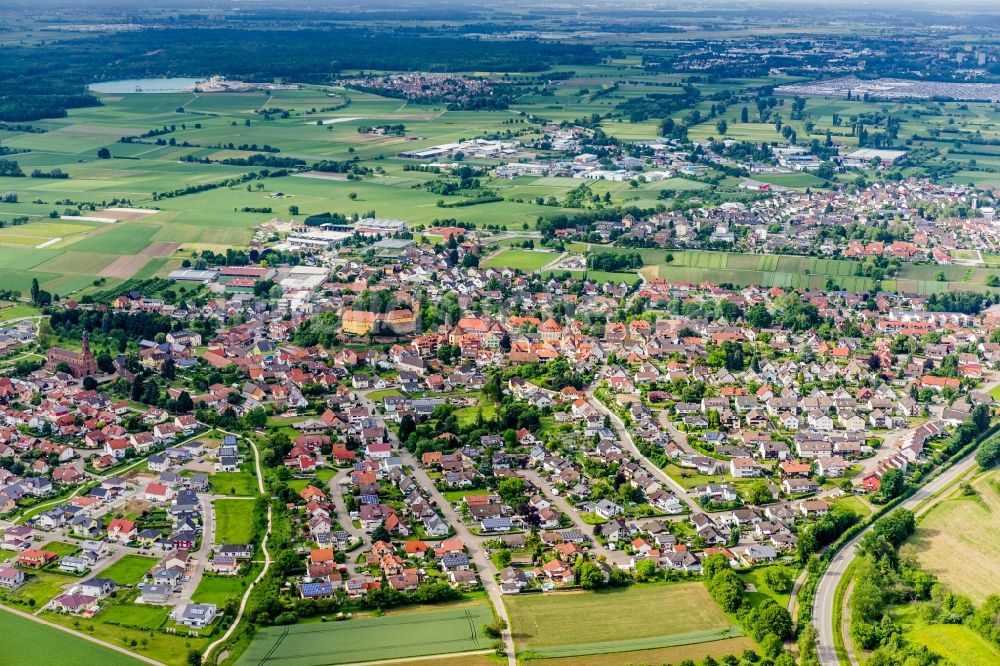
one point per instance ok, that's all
(144, 86)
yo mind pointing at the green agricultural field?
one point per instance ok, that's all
(393, 636)
(959, 538)
(233, 520)
(695, 652)
(129, 570)
(528, 261)
(61, 648)
(68, 256)
(541, 630)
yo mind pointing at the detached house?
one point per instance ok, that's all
(122, 530)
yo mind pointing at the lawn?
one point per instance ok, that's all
(525, 260)
(755, 577)
(393, 636)
(217, 589)
(855, 504)
(378, 396)
(457, 495)
(467, 416)
(956, 643)
(129, 570)
(142, 616)
(169, 649)
(233, 520)
(242, 483)
(61, 548)
(61, 649)
(42, 586)
(540, 627)
(689, 478)
(958, 540)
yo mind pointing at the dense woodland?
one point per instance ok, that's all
(43, 81)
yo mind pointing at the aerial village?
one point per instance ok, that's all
(438, 424)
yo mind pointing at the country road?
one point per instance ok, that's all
(823, 603)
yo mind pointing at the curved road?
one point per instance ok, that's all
(263, 547)
(823, 603)
(626, 438)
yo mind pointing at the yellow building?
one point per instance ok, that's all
(358, 322)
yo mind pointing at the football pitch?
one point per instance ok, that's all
(395, 636)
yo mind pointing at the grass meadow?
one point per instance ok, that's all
(242, 483)
(959, 538)
(525, 260)
(233, 520)
(957, 643)
(129, 570)
(671, 616)
(219, 589)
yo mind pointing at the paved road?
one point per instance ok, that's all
(626, 438)
(823, 606)
(201, 555)
(344, 519)
(340, 506)
(680, 438)
(615, 557)
(473, 543)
